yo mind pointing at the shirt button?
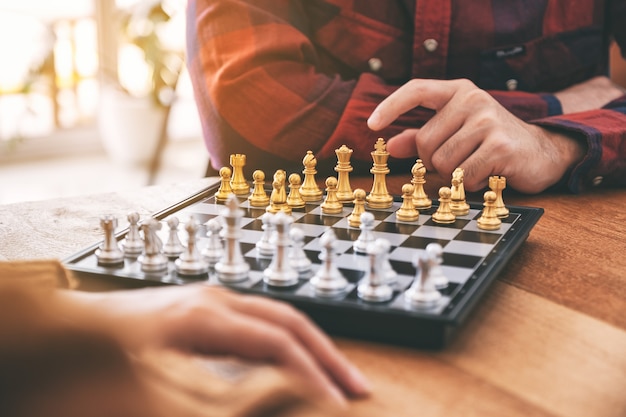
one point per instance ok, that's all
(431, 45)
(511, 84)
(597, 180)
(375, 64)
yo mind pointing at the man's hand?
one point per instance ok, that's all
(215, 321)
(473, 131)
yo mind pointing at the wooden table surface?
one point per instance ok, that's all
(549, 338)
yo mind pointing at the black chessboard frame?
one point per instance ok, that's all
(392, 322)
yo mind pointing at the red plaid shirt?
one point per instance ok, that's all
(275, 78)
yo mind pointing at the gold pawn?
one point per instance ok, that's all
(407, 211)
(443, 214)
(354, 219)
(489, 220)
(331, 205)
(294, 199)
(225, 190)
(259, 197)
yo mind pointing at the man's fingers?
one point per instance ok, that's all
(227, 331)
(432, 94)
(311, 337)
(403, 145)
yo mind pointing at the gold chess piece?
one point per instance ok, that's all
(238, 182)
(225, 189)
(458, 205)
(379, 197)
(259, 197)
(443, 214)
(278, 197)
(407, 211)
(331, 205)
(420, 199)
(343, 169)
(354, 219)
(294, 199)
(489, 219)
(497, 185)
(309, 190)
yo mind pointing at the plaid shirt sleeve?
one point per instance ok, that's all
(275, 78)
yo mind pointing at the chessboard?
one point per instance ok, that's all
(472, 258)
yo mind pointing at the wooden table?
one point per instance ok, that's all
(548, 340)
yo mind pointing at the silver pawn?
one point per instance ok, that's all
(328, 281)
(133, 243)
(422, 293)
(173, 246)
(366, 236)
(264, 246)
(297, 257)
(436, 272)
(214, 250)
(190, 261)
(375, 286)
(280, 273)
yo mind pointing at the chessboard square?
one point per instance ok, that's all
(256, 224)
(353, 261)
(419, 242)
(459, 223)
(402, 267)
(251, 236)
(466, 248)
(313, 255)
(253, 212)
(406, 254)
(312, 230)
(352, 275)
(342, 246)
(395, 239)
(395, 227)
(437, 232)
(343, 224)
(257, 263)
(318, 211)
(478, 237)
(473, 226)
(350, 234)
(460, 260)
(471, 215)
(458, 275)
(317, 219)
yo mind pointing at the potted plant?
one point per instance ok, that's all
(136, 99)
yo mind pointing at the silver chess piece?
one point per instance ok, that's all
(375, 286)
(264, 246)
(173, 246)
(297, 256)
(367, 235)
(214, 250)
(190, 262)
(437, 276)
(133, 243)
(280, 273)
(328, 281)
(422, 294)
(152, 259)
(109, 252)
(232, 267)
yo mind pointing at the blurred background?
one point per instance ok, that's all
(95, 97)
